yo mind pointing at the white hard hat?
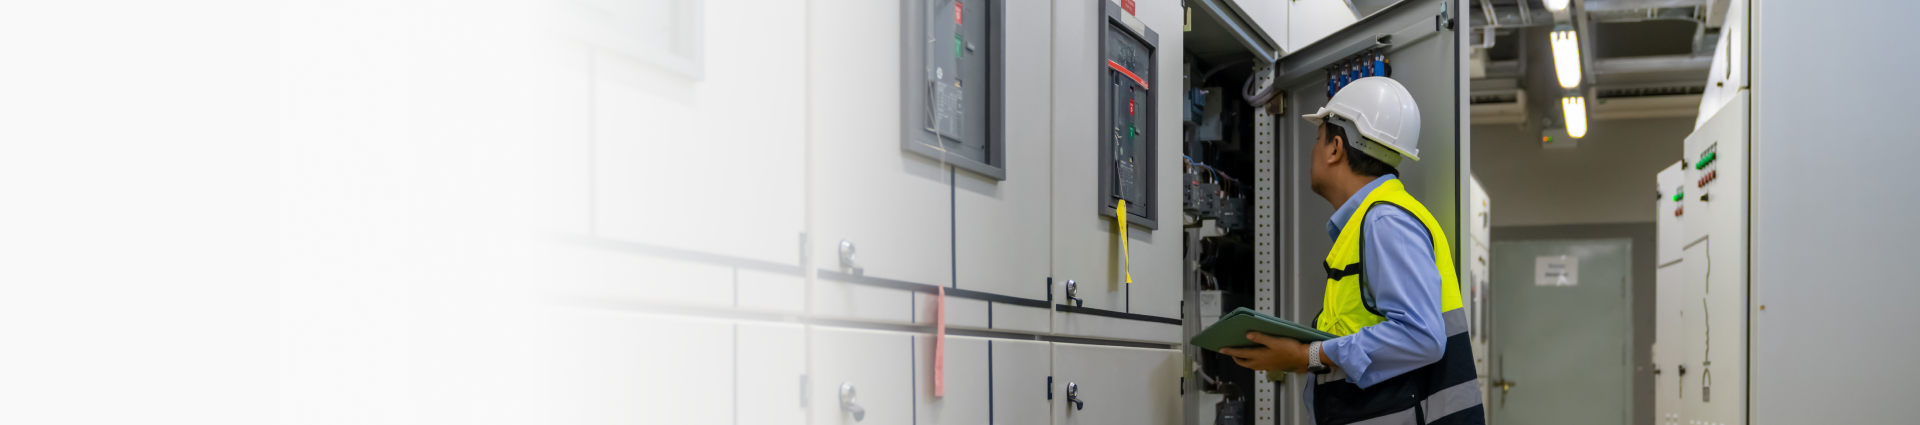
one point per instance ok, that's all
(1381, 110)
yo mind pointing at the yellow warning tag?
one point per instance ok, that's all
(1120, 219)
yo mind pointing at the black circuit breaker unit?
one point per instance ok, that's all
(1128, 52)
(951, 68)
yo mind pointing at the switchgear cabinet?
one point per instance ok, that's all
(1127, 115)
(951, 69)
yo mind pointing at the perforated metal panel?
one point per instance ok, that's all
(1264, 395)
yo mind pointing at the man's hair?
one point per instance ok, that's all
(1358, 161)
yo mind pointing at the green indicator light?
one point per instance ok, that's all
(1704, 160)
(1677, 195)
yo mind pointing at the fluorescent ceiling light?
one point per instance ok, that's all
(1566, 57)
(1575, 108)
(1556, 5)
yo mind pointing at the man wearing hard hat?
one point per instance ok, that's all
(1402, 354)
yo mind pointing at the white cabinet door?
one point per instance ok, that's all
(612, 367)
(1001, 228)
(877, 365)
(1116, 385)
(768, 373)
(1670, 342)
(966, 397)
(1086, 244)
(1020, 371)
(894, 206)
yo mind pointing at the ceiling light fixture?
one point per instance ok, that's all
(1575, 108)
(1556, 5)
(1566, 56)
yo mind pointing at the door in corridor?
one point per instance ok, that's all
(1561, 333)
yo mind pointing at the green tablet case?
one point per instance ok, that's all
(1231, 330)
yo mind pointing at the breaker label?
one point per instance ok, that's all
(946, 111)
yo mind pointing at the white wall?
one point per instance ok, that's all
(1602, 180)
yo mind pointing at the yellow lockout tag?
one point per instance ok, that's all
(1120, 218)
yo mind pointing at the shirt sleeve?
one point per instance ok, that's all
(1406, 285)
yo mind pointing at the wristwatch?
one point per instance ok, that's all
(1313, 358)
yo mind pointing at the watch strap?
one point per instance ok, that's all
(1313, 358)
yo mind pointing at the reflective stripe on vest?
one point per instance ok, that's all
(1437, 393)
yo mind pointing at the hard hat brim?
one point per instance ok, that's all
(1318, 117)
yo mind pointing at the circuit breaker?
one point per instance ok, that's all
(950, 83)
(1127, 115)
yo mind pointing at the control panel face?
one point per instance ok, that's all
(949, 86)
(1127, 74)
(1127, 115)
(959, 74)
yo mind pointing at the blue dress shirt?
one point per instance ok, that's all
(1406, 285)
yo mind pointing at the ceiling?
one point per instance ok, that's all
(1630, 49)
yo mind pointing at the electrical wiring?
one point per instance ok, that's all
(1257, 99)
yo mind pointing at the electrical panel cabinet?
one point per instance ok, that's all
(1479, 281)
(1127, 115)
(859, 376)
(1089, 247)
(1002, 226)
(892, 208)
(951, 71)
(966, 396)
(1019, 372)
(1668, 343)
(1715, 254)
(1086, 391)
(1701, 328)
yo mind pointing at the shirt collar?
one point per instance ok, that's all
(1340, 216)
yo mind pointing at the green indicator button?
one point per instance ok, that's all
(1677, 195)
(959, 45)
(1131, 132)
(1704, 160)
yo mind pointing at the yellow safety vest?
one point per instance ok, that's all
(1445, 392)
(1348, 305)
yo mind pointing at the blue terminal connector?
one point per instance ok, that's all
(1332, 83)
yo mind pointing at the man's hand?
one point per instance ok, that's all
(1276, 354)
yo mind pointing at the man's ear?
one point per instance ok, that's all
(1338, 152)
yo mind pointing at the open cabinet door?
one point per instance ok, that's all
(1422, 42)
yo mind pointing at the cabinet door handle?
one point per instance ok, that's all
(1073, 396)
(1073, 294)
(846, 258)
(847, 402)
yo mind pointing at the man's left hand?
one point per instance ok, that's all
(1276, 354)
